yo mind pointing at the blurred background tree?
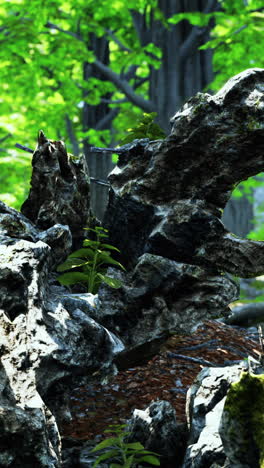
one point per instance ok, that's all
(85, 71)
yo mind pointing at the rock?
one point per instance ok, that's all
(179, 186)
(164, 214)
(49, 343)
(247, 315)
(59, 191)
(241, 426)
(159, 296)
(157, 430)
(204, 407)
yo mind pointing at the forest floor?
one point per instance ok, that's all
(164, 377)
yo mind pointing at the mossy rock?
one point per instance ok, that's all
(242, 424)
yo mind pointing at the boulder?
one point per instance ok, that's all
(157, 297)
(48, 343)
(158, 431)
(164, 214)
(167, 196)
(242, 427)
(60, 189)
(204, 408)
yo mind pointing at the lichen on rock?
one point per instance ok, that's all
(242, 423)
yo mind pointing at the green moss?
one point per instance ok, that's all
(245, 404)
(253, 124)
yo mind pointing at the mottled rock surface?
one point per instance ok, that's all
(157, 429)
(164, 214)
(241, 425)
(205, 403)
(60, 190)
(48, 343)
(167, 196)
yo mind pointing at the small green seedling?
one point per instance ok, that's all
(93, 260)
(123, 454)
(145, 128)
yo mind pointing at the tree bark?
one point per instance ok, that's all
(96, 117)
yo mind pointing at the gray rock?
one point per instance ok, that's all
(179, 186)
(48, 343)
(247, 315)
(241, 425)
(60, 189)
(158, 431)
(164, 214)
(204, 407)
(151, 304)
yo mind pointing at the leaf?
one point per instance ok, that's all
(82, 253)
(112, 282)
(104, 257)
(105, 443)
(110, 454)
(135, 446)
(111, 247)
(70, 263)
(128, 462)
(152, 459)
(91, 243)
(72, 278)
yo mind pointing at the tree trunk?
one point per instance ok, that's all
(184, 71)
(100, 164)
(238, 216)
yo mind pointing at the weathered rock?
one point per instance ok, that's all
(157, 430)
(164, 214)
(247, 315)
(167, 196)
(59, 191)
(157, 297)
(46, 347)
(205, 402)
(241, 427)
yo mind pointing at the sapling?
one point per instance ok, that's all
(93, 260)
(123, 454)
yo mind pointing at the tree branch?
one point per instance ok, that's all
(115, 101)
(112, 35)
(72, 137)
(106, 119)
(124, 86)
(5, 137)
(58, 28)
(112, 76)
(194, 39)
(131, 72)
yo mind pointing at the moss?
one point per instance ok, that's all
(245, 404)
(253, 124)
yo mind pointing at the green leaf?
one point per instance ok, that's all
(82, 253)
(153, 460)
(110, 247)
(70, 263)
(112, 282)
(111, 442)
(72, 278)
(104, 257)
(110, 454)
(135, 446)
(128, 462)
(91, 243)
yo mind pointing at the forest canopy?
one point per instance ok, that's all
(85, 71)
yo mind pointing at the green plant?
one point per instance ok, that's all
(145, 128)
(124, 454)
(93, 260)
